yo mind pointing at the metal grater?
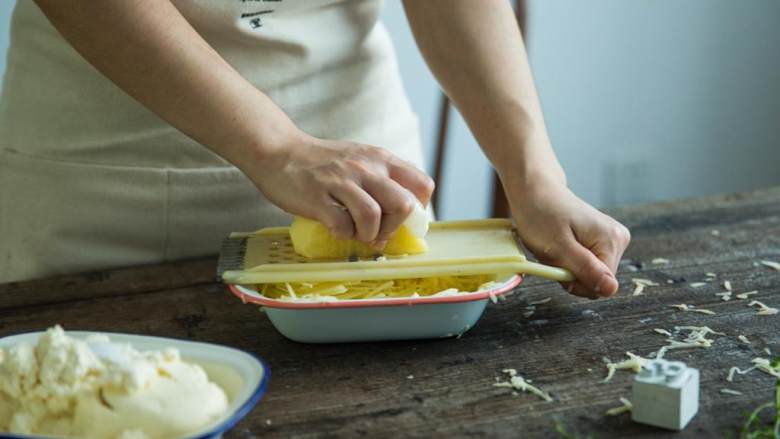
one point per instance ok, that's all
(275, 241)
(456, 248)
(231, 255)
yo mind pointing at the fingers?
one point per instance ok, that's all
(335, 216)
(576, 288)
(613, 239)
(392, 185)
(322, 207)
(413, 179)
(396, 203)
(365, 211)
(594, 277)
(367, 192)
(620, 237)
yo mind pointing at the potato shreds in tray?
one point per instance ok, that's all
(375, 289)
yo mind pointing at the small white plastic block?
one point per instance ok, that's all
(665, 394)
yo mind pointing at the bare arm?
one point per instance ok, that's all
(476, 52)
(148, 49)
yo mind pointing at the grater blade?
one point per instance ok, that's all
(231, 254)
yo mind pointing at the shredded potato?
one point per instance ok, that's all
(730, 392)
(519, 383)
(634, 363)
(763, 310)
(373, 289)
(626, 407)
(697, 338)
(762, 364)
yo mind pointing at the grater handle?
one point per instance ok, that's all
(545, 271)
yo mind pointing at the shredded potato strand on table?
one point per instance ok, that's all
(626, 407)
(634, 363)
(519, 383)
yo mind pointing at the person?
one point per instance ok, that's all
(141, 131)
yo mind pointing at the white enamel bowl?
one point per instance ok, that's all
(398, 318)
(243, 376)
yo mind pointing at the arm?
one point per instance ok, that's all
(478, 56)
(149, 50)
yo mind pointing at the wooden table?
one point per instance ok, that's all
(368, 390)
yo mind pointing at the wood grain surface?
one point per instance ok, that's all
(444, 388)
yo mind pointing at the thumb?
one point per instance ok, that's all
(590, 271)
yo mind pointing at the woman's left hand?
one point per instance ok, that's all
(561, 229)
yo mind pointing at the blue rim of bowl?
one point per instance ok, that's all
(225, 425)
(246, 407)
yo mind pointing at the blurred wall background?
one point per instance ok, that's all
(644, 100)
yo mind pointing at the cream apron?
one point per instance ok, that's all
(90, 179)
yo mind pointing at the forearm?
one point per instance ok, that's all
(477, 55)
(151, 52)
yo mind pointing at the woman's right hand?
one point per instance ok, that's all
(358, 191)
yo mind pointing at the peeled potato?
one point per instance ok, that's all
(312, 239)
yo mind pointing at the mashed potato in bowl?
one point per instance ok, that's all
(95, 388)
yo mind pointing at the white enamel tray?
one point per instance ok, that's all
(357, 320)
(243, 376)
